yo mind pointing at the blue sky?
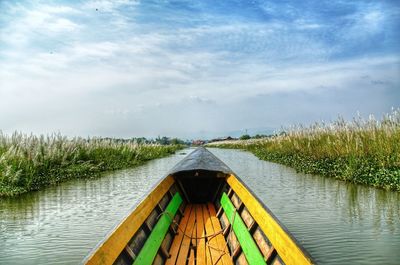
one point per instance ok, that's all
(194, 68)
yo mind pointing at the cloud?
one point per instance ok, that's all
(61, 24)
(27, 25)
(114, 71)
(108, 5)
(364, 23)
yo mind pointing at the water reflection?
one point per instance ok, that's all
(337, 222)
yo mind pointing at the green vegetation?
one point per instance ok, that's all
(28, 162)
(364, 151)
(245, 137)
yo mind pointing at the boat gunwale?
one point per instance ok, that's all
(284, 228)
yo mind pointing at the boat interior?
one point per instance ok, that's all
(201, 231)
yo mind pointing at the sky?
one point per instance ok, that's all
(194, 69)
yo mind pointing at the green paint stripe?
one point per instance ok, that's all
(249, 247)
(153, 242)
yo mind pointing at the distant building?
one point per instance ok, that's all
(223, 139)
(198, 142)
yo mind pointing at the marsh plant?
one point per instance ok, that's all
(365, 151)
(29, 162)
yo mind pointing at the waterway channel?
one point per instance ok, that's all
(337, 222)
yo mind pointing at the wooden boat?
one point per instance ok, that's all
(200, 213)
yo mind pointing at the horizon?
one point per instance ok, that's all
(185, 69)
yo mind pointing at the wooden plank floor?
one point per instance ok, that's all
(202, 242)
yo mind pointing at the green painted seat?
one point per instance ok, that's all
(157, 235)
(249, 247)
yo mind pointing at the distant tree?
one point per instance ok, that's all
(162, 140)
(140, 140)
(176, 141)
(259, 136)
(165, 140)
(245, 137)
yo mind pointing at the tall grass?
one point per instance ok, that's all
(29, 162)
(365, 151)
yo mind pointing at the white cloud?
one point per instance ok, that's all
(135, 80)
(58, 10)
(108, 5)
(38, 22)
(365, 22)
(307, 24)
(61, 24)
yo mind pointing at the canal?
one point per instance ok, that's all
(337, 222)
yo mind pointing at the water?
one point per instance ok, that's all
(337, 222)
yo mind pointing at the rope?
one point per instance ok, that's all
(183, 232)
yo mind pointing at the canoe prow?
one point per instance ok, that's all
(200, 213)
(200, 159)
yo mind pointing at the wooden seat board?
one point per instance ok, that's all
(191, 257)
(185, 246)
(176, 244)
(198, 221)
(212, 253)
(221, 243)
(201, 243)
(194, 234)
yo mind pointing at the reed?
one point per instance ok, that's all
(365, 151)
(29, 162)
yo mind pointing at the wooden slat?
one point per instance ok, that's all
(200, 219)
(233, 242)
(201, 244)
(130, 252)
(211, 243)
(185, 246)
(252, 227)
(153, 242)
(191, 257)
(236, 252)
(271, 255)
(194, 233)
(112, 246)
(219, 212)
(176, 244)
(221, 243)
(287, 249)
(261, 242)
(164, 252)
(249, 247)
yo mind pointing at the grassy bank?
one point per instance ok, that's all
(365, 151)
(28, 162)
